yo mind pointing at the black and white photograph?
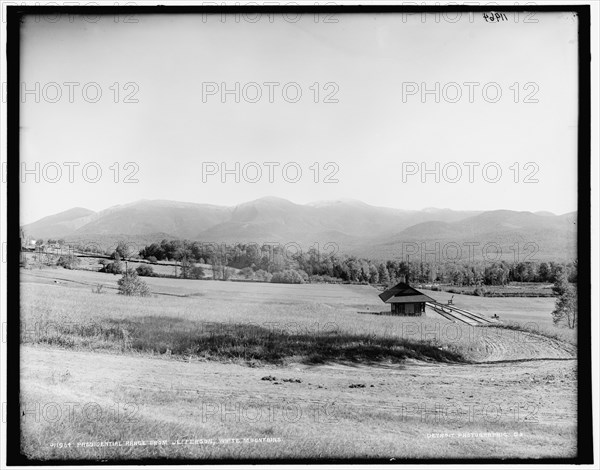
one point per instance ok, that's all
(299, 233)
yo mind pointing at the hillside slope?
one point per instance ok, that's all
(353, 226)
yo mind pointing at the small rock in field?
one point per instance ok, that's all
(298, 381)
(357, 386)
(269, 377)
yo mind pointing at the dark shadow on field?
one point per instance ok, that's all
(257, 343)
(249, 342)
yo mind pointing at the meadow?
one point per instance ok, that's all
(263, 322)
(512, 289)
(199, 359)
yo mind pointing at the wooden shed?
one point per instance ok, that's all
(405, 300)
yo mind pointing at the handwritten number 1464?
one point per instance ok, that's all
(495, 17)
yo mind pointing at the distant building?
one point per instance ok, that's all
(405, 300)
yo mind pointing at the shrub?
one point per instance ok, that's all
(324, 279)
(145, 270)
(97, 289)
(196, 272)
(263, 275)
(130, 284)
(288, 276)
(152, 259)
(68, 261)
(113, 268)
(480, 291)
(247, 272)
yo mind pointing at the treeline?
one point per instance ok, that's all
(296, 266)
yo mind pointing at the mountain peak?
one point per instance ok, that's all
(356, 227)
(273, 199)
(334, 202)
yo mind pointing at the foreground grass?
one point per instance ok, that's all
(320, 417)
(273, 326)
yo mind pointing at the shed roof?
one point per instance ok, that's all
(409, 299)
(403, 293)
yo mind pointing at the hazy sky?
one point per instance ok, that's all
(376, 137)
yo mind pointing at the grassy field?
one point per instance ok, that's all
(200, 359)
(92, 263)
(285, 319)
(513, 289)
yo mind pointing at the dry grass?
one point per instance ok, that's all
(174, 401)
(191, 344)
(271, 323)
(189, 328)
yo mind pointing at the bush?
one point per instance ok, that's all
(68, 261)
(145, 270)
(288, 276)
(263, 275)
(196, 273)
(130, 284)
(247, 272)
(324, 279)
(480, 291)
(152, 259)
(97, 289)
(113, 268)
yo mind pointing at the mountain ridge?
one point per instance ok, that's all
(357, 227)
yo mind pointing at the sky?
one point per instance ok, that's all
(324, 109)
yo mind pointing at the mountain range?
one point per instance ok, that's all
(353, 226)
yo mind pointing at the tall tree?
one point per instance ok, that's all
(565, 310)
